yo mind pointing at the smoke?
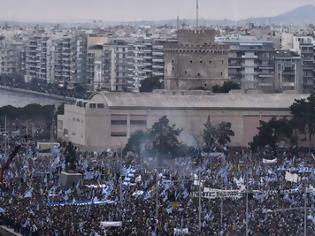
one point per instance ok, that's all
(188, 139)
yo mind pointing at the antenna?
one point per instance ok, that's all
(197, 13)
(177, 26)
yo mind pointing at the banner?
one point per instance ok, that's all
(181, 231)
(266, 161)
(292, 177)
(106, 224)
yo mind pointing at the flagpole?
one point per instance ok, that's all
(5, 135)
(120, 183)
(305, 212)
(199, 208)
(246, 204)
(221, 213)
(157, 201)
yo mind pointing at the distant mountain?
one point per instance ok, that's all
(299, 16)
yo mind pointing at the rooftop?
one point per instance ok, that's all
(227, 101)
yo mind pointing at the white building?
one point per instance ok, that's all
(108, 119)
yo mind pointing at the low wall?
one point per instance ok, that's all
(25, 91)
(4, 231)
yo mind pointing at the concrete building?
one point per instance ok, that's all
(251, 62)
(146, 60)
(63, 67)
(288, 71)
(286, 41)
(139, 63)
(305, 47)
(107, 66)
(195, 61)
(108, 119)
(158, 55)
(115, 63)
(95, 67)
(38, 51)
(12, 57)
(57, 59)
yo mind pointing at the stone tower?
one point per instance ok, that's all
(195, 61)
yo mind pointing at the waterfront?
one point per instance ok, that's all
(19, 99)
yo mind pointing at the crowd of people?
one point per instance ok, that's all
(232, 193)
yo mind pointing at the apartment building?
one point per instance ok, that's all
(251, 61)
(59, 59)
(288, 71)
(139, 63)
(38, 55)
(305, 47)
(12, 57)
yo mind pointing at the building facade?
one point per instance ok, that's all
(139, 63)
(305, 47)
(195, 61)
(251, 62)
(59, 59)
(12, 57)
(108, 119)
(288, 71)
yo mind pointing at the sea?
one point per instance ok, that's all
(20, 99)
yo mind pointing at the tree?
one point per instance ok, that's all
(303, 116)
(164, 138)
(272, 133)
(136, 142)
(149, 84)
(226, 87)
(209, 135)
(217, 135)
(224, 133)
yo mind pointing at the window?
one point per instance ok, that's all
(191, 61)
(118, 134)
(138, 122)
(201, 61)
(92, 105)
(210, 62)
(118, 122)
(100, 105)
(222, 61)
(198, 74)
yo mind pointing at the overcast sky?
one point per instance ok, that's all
(129, 10)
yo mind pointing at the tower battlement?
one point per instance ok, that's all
(196, 36)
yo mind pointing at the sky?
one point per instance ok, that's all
(133, 10)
